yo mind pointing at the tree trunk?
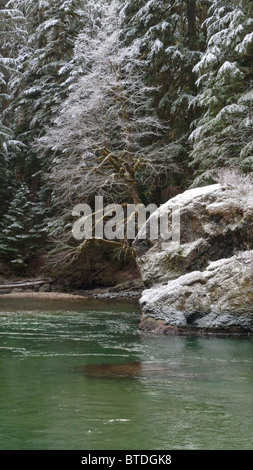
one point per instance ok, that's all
(133, 192)
(191, 18)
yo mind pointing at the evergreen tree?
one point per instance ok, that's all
(39, 82)
(12, 40)
(5, 137)
(223, 134)
(170, 38)
(52, 28)
(13, 36)
(19, 233)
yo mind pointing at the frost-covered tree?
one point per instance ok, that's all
(223, 134)
(105, 139)
(170, 38)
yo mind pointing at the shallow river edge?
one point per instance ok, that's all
(147, 325)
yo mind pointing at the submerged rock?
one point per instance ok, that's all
(204, 283)
(131, 369)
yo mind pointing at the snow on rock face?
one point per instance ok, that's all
(215, 222)
(206, 281)
(219, 298)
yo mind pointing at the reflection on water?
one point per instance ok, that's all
(80, 375)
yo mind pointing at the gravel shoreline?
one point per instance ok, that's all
(40, 295)
(128, 295)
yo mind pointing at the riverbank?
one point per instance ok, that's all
(84, 295)
(47, 288)
(40, 295)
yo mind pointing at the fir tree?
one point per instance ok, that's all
(12, 39)
(35, 88)
(223, 134)
(53, 27)
(170, 38)
(19, 232)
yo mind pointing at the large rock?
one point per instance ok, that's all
(205, 283)
(217, 299)
(215, 223)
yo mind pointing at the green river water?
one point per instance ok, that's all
(199, 397)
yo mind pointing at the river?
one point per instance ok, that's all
(187, 393)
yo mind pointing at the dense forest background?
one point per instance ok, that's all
(129, 99)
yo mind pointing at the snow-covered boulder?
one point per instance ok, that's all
(218, 299)
(204, 282)
(215, 223)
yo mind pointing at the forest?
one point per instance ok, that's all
(132, 100)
